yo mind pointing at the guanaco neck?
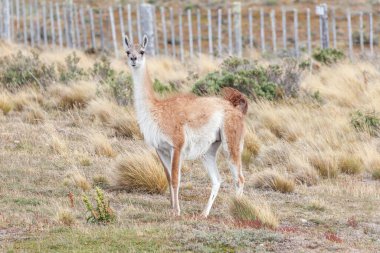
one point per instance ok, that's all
(144, 97)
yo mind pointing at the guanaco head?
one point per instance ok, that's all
(135, 52)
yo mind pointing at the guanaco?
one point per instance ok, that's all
(188, 127)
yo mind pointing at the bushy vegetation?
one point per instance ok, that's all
(366, 122)
(328, 56)
(272, 82)
(19, 70)
(102, 213)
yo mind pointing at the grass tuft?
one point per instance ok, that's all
(351, 164)
(325, 165)
(5, 104)
(76, 95)
(375, 169)
(140, 171)
(58, 145)
(275, 181)
(66, 218)
(126, 125)
(33, 115)
(102, 145)
(243, 210)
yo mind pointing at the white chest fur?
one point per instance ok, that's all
(148, 126)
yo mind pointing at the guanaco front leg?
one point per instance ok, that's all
(176, 178)
(166, 162)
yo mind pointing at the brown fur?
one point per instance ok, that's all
(236, 98)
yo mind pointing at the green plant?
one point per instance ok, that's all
(71, 71)
(162, 88)
(118, 83)
(366, 122)
(328, 56)
(272, 82)
(102, 213)
(18, 70)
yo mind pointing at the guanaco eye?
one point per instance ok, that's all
(142, 52)
(128, 52)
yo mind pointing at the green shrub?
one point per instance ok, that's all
(255, 81)
(118, 83)
(19, 70)
(162, 88)
(328, 56)
(366, 122)
(102, 213)
(71, 71)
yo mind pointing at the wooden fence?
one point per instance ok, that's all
(187, 33)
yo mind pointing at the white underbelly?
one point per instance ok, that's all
(199, 140)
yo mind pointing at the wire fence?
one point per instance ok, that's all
(186, 33)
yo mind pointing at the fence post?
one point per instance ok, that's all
(164, 32)
(138, 18)
(71, 26)
(59, 25)
(84, 29)
(52, 24)
(24, 21)
(156, 45)
(199, 31)
(296, 44)
(190, 26)
(220, 48)
(76, 22)
(229, 19)
(44, 22)
(64, 9)
(38, 31)
(92, 28)
(147, 25)
(250, 28)
(17, 19)
(181, 53)
(349, 33)
(361, 32)
(101, 29)
(7, 20)
(333, 24)
(262, 31)
(210, 46)
(308, 31)
(273, 26)
(130, 29)
(322, 12)
(31, 24)
(113, 30)
(371, 32)
(237, 27)
(121, 20)
(172, 30)
(284, 35)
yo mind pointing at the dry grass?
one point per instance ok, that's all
(102, 110)
(80, 181)
(66, 217)
(242, 209)
(102, 146)
(269, 179)
(375, 169)
(33, 115)
(126, 125)
(25, 98)
(317, 205)
(76, 95)
(351, 164)
(251, 143)
(326, 165)
(58, 145)
(5, 104)
(140, 171)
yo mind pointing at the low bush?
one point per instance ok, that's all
(328, 56)
(272, 82)
(366, 122)
(71, 71)
(119, 84)
(19, 70)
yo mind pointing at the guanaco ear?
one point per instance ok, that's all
(145, 42)
(127, 41)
